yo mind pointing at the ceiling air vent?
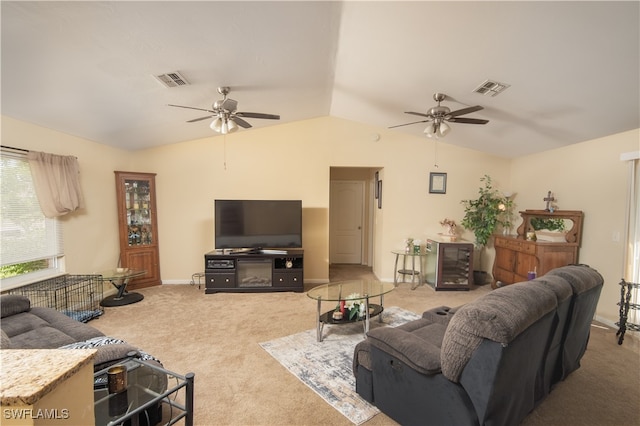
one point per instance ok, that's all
(491, 88)
(172, 79)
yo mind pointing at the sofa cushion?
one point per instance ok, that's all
(45, 337)
(13, 304)
(580, 277)
(416, 343)
(21, 323)
(558, 284)
(77, 330)
(499, 316)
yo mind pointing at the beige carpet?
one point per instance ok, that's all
(218, 337)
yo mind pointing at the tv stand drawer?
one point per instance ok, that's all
(287, 279)
(220, 280)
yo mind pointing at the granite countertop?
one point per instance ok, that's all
(26, 375)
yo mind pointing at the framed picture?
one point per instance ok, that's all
(437, 183)
(379, 189)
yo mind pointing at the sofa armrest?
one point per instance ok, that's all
(441, 314)
(420, 351)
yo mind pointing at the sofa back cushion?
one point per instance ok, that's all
(11, 304)
(499, 316)
(587, 285)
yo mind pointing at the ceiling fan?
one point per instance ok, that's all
(227, 118)
(438, 116)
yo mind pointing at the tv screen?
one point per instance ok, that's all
(258, 224)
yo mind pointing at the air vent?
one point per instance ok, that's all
(172, 79)
(491, 88)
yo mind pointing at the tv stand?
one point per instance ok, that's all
(254, 270)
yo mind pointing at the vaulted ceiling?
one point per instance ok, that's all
(88, 68)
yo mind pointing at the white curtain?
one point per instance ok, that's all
(632, 258)
(56, 179)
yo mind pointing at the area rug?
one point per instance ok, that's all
(327, 366)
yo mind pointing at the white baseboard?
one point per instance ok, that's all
(171, 282)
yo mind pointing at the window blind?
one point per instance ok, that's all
(26, 234)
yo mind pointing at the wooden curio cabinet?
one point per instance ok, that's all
(138, 226)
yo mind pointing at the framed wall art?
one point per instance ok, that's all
(437, 183)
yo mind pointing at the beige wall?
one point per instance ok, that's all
(294, 161)
(590, 177)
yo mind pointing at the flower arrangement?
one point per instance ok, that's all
(450, 225)
(353, 306)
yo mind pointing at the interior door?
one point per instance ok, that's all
(346, 206)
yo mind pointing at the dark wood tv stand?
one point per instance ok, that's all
(253, 271)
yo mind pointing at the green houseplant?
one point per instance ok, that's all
(483, 215)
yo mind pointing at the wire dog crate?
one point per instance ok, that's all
(77, 296)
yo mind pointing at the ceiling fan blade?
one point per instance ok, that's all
(201, 118)
(408, 124)
(467, 120)
(240, 122)
(258, 115)
(465, 111)
(188, 107)
(418, 113)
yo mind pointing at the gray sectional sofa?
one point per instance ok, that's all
(26, 327)
(489, 362)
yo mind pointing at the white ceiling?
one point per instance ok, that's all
(86, 68)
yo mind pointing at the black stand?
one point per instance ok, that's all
(123, 297)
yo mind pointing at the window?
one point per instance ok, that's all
(30, 244)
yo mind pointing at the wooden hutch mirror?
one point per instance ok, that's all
(536, 220)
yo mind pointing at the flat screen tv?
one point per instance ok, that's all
(258, 224)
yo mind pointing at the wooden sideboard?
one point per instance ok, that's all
(516, 256)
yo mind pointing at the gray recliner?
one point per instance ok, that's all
(490, 363)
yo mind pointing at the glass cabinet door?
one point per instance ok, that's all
(139, 213)
(138, 226)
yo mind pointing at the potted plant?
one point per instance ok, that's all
(482, 216)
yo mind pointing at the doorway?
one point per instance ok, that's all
(351, 208)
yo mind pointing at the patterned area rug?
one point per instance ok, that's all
(327, 366)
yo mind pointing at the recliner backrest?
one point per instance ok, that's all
(586, 284)
(499, 316)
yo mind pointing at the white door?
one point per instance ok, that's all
(346, 201)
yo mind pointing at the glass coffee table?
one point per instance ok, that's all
(349, 292)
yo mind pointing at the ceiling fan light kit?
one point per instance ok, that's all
(223, 125)
(438, 116)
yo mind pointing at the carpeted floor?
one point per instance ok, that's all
(218, 337)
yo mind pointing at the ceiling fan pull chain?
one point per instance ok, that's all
(224, 152)
(435, 153)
